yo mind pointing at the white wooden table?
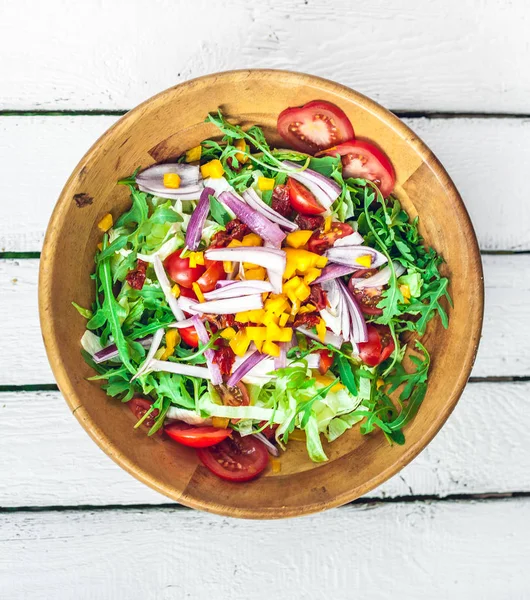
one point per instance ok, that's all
(453, 524)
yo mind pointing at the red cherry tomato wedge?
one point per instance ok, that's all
(180, 271)
(214, 272)
(367, 298)
(189, 335)
(326, 360)
(365, 160)
(321, 241)
(379, 346)
(314, 126)
(236, 458)
(196, 437)
(139, 406)
(302, 200)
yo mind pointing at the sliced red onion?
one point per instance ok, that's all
(280, 362)
(209, 354)
(257, 222)
(187, 416)
(183, 324)
(330, 338)
(152, 181)
(348, 255)
(325, 190)
(254, 359)
(239, 288)
(354, 239)
(196, 224)
(155, 344)
(227, 306)
(273, 450)
(254, 201)
(381, 278)
(166, 288)
(165, 366)
(111, 351)
(358, 332)
(333, 271)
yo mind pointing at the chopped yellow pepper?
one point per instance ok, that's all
(325, 380)
(266, 183)
(307, 308)
(312, 274)
(282, 321)
(220, 422)
(228, 333)
(194, 154)
(227, 266)
(279, 334)
(327, 224)
(276, 303)
(364, 261)
(258, 273)
(321, 330)
(172, 339)
(276, 465)
(240, 342)
(300, 261)
(251, 239)
(297, 239)
(196, 258)
(296, 289)
(198, 291)
(257, 334)
(240, 145)
(258, 344)
(379, 383)
(106, 222)
(213, 169)
(175, 290)
(172, 180)
(251, 316)
(100, 246)
(405, 291)
(271, 348)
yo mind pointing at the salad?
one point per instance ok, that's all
(253, 297)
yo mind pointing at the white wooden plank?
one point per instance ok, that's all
(38, 154)
(484, 447)
(459, 55)
(453, 550)
(503, 351)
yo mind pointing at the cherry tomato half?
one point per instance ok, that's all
(320, 241)
(302, 200)
(367, 298)
(379, 346)
(365, 160)
(189, 335)
(314, 126)
(180, 271)
(236, 458)
(139, 406)
(214, 272)
(326, 360)
(196, 437)
(234, 396)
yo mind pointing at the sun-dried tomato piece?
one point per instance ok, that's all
(309, 221)
(318, 296)
(280, 201)
(235, 230)
(224, 357)
(136, 277)
(307, 320)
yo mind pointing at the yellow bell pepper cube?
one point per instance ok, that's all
(327, 224)
(379, 383)
(325, 380)
(312, 274)
(220, 422)
(266, 184)
(307, 308)
(241, 145)
(257, 334)
(194, 154)
(172, 339)
(172, 180)
(100, 246)
(300, 261)
(234, 244)
(285, 335)
(258, 344)
(198, 291)
(321, 330)
(297, 239)
(257, 315)
(321, 262)
(242, 317)
(249, 266)
(271, 348)
(276, 465)
(175, 290)
(405, 291)
(303, 291)
(269, 318)
(295, 307)
(228, 333)
(227, 266)
(258, 273)
(282, 321)
(364, 261)
(106, 222)
(276, 303)
(213, 169)
(240, 343)
(251, 239)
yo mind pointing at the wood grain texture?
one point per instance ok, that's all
(457, 55)
(481, 449)
(503, 351)
(48, 148)
(453, 550)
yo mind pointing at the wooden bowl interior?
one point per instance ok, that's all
(162, 128)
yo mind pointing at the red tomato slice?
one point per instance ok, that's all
(189, 335)
(211, 276)
(236, 458)
(367, 298)
(196, 437)
(319, 242)
(379, 346)
(326, 360)
(180, 271)
(188, 293)
(314, 126)
(365, 160)
(139, 406)
(302, 199)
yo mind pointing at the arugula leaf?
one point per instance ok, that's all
(219, 212)
(138, 212)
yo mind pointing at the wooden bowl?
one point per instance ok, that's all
(165, 126)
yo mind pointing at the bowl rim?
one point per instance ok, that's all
(52, 344)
